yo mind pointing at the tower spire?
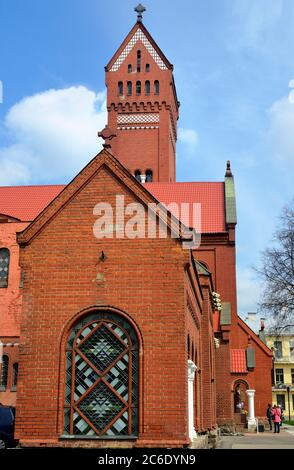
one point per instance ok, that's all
(140, 10)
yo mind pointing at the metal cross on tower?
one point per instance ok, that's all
(140, 10)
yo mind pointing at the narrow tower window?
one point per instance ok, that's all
(129, 68)
(149, 176)
(156, 87)
(120, 88)
(138, 88)
(4, 267)
(14, 376)
(147, 87)
(138, 61)
(4, 373)
(129, 88)
(147, 67)
(138, 175)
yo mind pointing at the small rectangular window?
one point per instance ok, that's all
(279, 376)
(278, 349)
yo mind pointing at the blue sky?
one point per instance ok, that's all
(234, 71)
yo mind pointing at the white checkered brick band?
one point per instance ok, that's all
(137, 118)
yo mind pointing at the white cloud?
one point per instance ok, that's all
(188, 137)
(280, 133)
(53, 135)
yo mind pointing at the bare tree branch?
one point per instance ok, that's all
(277, 273)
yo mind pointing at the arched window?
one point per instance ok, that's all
(102, 363)
(138, 88)
(4, 266)
(138, 175)
(204, 264)
(14, 376)
(147, 87)
(4, 373)
(120, 88)
(149, 176)
(188, 346)
(129, 88)
(138, 61)
(129, 68)
(147, 67)
(156, 87)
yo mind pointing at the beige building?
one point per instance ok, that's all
(283, 372)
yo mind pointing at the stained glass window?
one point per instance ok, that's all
(101, 396)
(14, 376)
(4, 373)
(4, 266)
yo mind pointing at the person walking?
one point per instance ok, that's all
(269, 414)
(276, 418)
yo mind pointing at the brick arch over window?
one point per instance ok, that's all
(102, 379)
(239, 388)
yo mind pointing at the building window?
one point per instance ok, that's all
(279, 376)
(129, 88)
(4, 266)
(293, 401)
(138, 88)
(120, 88)
(138, 174)
(291, 346)
(102, 363)
(292, 376)
(149, 176)
(147, 87)
(281, 401)
(129, 68)
(278, 349)
(14, 376)
(147, 68)
(156, 87)
(138, 61)
(4, 373)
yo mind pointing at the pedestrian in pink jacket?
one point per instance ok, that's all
(276, 418)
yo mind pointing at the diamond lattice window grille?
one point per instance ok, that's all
(101, 394)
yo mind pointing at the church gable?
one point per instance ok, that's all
(138, 34)
(103, 181)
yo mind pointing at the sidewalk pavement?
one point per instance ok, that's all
(264, 440)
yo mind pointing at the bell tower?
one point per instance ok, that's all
(142, 105)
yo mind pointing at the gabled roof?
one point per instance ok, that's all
(27, 202)
(103, 159)
(138, 32)
(238, 361)
(210, 196)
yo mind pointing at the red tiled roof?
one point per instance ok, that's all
(238, 361)
(211, 196)
(26, 202)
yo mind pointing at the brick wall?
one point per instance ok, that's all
(141, 277)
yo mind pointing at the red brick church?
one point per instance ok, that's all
(114, 340)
